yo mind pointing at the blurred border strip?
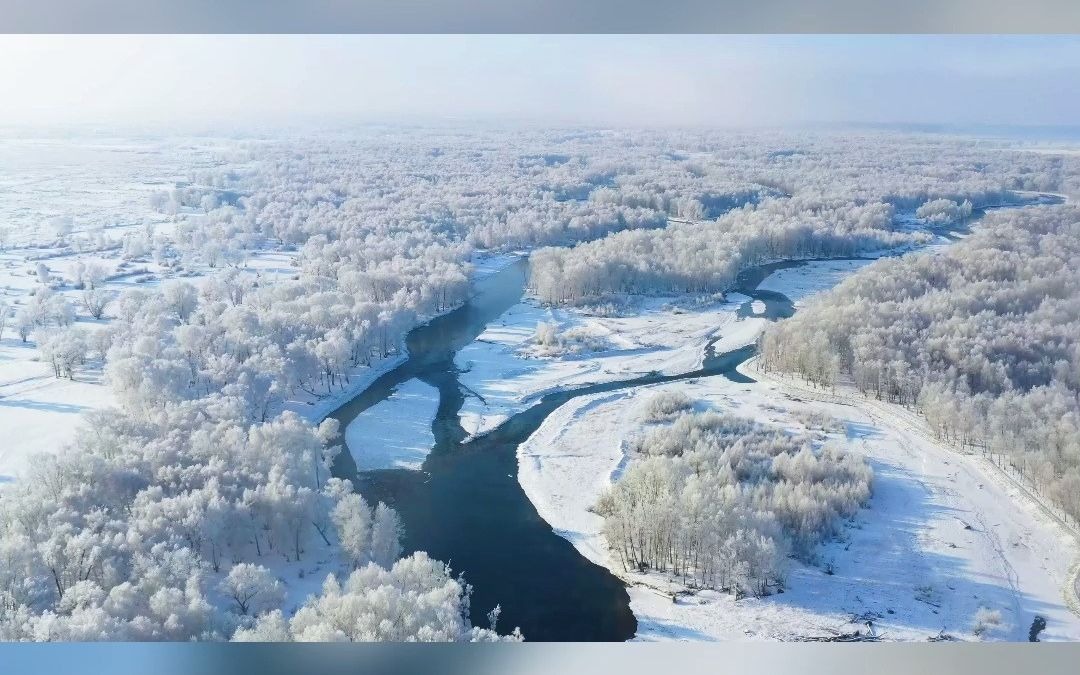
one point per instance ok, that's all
(539, 16)
(540, 659)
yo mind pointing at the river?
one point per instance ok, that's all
(466, 506)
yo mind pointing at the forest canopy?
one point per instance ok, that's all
(983, 337)
(721, 501)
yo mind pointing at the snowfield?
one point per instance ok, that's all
(940, 539)
(395, 433)
(38, 412)
(504, 372)
(798, 283)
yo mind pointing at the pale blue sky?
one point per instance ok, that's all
(590, 79)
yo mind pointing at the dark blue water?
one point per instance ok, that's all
(466, 506)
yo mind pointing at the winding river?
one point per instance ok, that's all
(466, 506)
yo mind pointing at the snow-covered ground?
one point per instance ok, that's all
(39, 413)
(943, 536)
(504, 371)
(485, 263)
(940, 538)
(395, 433)
(798, 283)
(98, 190)
(101, 183)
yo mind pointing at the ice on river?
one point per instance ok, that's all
(799, 283)
(396, 432)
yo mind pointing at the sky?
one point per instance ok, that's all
(606, 80)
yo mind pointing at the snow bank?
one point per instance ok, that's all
(396, 432)
(503, 377)
(316, 410)
(941, 538)
(486, 263)
(549, 467)
(798, 283)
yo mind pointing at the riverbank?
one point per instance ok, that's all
(1063, 535)
(939, 540)
(485, 264)
(504, 371)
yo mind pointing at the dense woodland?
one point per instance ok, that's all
(829, 196)
(704, 257)
(983, 337)
(177, 514)
(140, 532)
(722, 502)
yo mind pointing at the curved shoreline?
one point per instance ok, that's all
(463, 493)
(916, 423)
(589, 549)
(468, 495)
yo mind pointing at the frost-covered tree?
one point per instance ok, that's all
(415, 600)
(64, 349)
(44, 275)
(94, 301)
(386, 533)
(24, 323)
(944, 211)
(182, 298)
(666, 406)
(707, 256)
(253, 588)
(353, 518)
(721, 501)
(92, 274)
